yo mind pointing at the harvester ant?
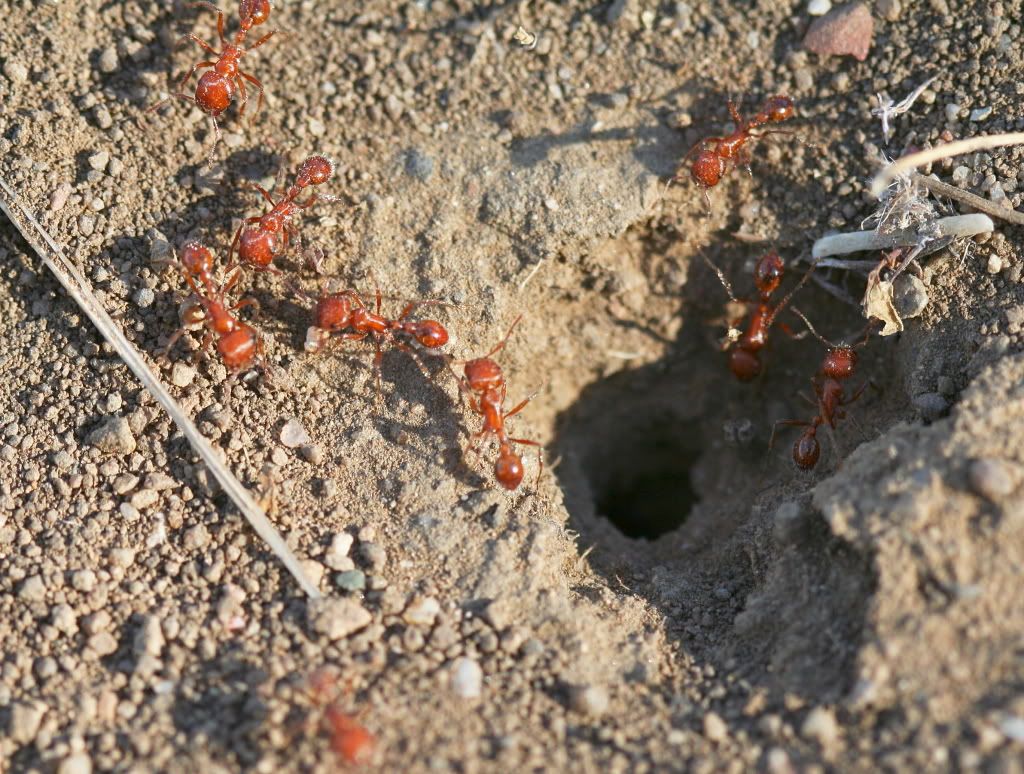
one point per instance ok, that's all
(216, 88)
(744, 352)
(711, 156)
(836, 367)
(484, 381)
(349, 739)
(238, 343)
(334, 312)
(259, 240)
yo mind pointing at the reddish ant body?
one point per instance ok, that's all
(216, 88)
(484, 381)
(349, 739)
(238, 343)
(837, 366)
(712, 155)
(334, 312)
(259, 240)
(744, 352)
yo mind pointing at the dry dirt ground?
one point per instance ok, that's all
(671, 595)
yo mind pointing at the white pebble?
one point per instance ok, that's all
(467, 678)
(422, 611)
(819, 7)
(293, 434)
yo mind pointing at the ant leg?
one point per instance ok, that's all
(520, 406)
(164, 354)
(216, 139)
(261, 41)
(786, 423)
(540, 454)
(199, 41)
(501, 344)
(259, 86)
(243, 96)
(264, 193)
(181, 85)
(707, 200)
(246, 302)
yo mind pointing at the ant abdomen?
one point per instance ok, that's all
(707, 168)
(214, 93)
(744, 364)
(806, 451)
(508, 469)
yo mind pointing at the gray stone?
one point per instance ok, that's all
(337, 618)
(113, 436)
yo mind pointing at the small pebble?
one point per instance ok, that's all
(952, 112)
(714, 728)
(890, 9)
(418, 164)
(994, 264)
(980, 114)
(312, 453)
(99, 160)
(910, 296)
(79, 763)
(86, 224)
(820, 726)
(317, 127)
(1012, 727)
(467, 678)
(25, 721)
(159, 247)
(293, 434)
(32, 589)
(102, 644)
(196, 538)
(847, 29)
(337, 618)
(350, 580)
(182, 374)
(108, 60)
(144, 297)
(103, 117)
(819, 7)
(59, 197)
(990, 478)
(114, 436)
(15, 71)
(393, 107)
(422, 611)
(83, 580)
(144, 498)
(341, 543)
(590, 700)
(373, 554)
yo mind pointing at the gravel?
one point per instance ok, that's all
(467, 678)
(113, 436)
(991, 478)
(337, 618)
(589, 700)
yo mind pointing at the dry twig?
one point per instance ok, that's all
(79, 288)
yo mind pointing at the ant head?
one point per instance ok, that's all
(431, 334)
(839, 363)
(779, 108)
(508, 468)
(744, 364)
(806, 450)
(254, 12)
(332, 312)
(483, 374)
(196, 258)
(238, 347)
(315, 170)
(768, 272)
(707, 168)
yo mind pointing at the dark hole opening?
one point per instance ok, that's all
(650, 491)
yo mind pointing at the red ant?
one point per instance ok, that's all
(744, 352)
(216, 89)
(260, 240)
(485, 383)
(350, 740)
(837, 366)
(238, 343)
(711, 156)
(335, 312)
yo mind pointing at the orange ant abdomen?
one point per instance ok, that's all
(508, 469)
(744, 364)
(430, 333)
(708, 168)
(806, 449)
(214, 93)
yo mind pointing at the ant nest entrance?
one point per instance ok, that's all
(630, 472)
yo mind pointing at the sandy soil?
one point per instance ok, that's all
(670, 595)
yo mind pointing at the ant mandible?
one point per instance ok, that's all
(259, 240)
(334, 312)
(744, 352)
(711, 156)
(836, 367)
(485, 383)
(216, 88)
(238, 343)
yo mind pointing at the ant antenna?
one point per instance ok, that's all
(811, 328)
(785, 300)
(721, 277)
(501, 344)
